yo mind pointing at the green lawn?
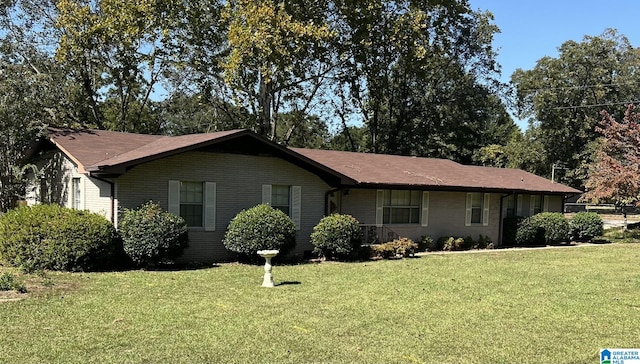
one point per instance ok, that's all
(525, 306)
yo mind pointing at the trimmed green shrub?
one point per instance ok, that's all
(337, 236)
(555, 226)
(528, 233)
(260, 228)
(57, 238)
(402, 247)
(543, 228)
(384, 251)
(586, 226)
(151, 236)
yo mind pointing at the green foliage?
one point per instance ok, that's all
(260, 228)
(152, 236)
(402, 247)
(337, 236)
(543, 228)
(427, 244)
(57, 238)
(585, 226)
(565, 115)
(8, 282)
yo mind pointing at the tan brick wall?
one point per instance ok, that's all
(239, 180)
(446, 215)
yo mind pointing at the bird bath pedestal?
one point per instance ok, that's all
(267, 255)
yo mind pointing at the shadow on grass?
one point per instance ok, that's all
(288, 283)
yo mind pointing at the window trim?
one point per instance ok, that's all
(484, 208)
(422, 208)
(295, 201)
(209, 200)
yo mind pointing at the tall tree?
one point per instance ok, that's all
(117, 51)
(563, 96)
(278, 58)
(613, 176)
(24, 114)
(421, 75)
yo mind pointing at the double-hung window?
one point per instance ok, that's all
(281, 198)
(538, 204)
(477, 209)
(195, 202)
(192, 203)
(286, 198)
(402, 207)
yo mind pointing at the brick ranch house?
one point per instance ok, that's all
(208, 178)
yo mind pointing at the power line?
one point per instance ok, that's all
(582, 86)
(596, 105)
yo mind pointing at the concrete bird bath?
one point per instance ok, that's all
(267, 255)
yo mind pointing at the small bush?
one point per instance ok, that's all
(528, 233)
(543, 228)
(8, 282)
(151, 236)
(585, 226)
(427, 244)
(337, 236)
(384, 251)
(260, 228)
(56, 238)
(554, 225)
(453, 244)
(402, 247)
(484, 242)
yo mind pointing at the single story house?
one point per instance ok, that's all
(209, 178)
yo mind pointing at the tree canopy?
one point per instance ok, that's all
(613, 176)
(563, 96)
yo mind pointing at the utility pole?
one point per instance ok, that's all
(557, 165)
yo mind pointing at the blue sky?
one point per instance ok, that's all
(532, 29)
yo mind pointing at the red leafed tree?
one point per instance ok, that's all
(615, 174)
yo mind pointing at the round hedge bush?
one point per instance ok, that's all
(337, 236)
(151, 236)
(57, 238)
(553, 226)
(528, 232)
(586, 226)
(260, 228)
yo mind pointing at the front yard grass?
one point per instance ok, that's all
(553, 305)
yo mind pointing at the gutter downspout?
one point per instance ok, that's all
(111, 196)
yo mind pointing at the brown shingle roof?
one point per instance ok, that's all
(95, 150)
(381, 169)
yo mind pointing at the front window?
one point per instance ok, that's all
(401, 207)
(280, 198)
(191, 203)
(76, 194)
(536, 204)
(476, 208)
(510, 203)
